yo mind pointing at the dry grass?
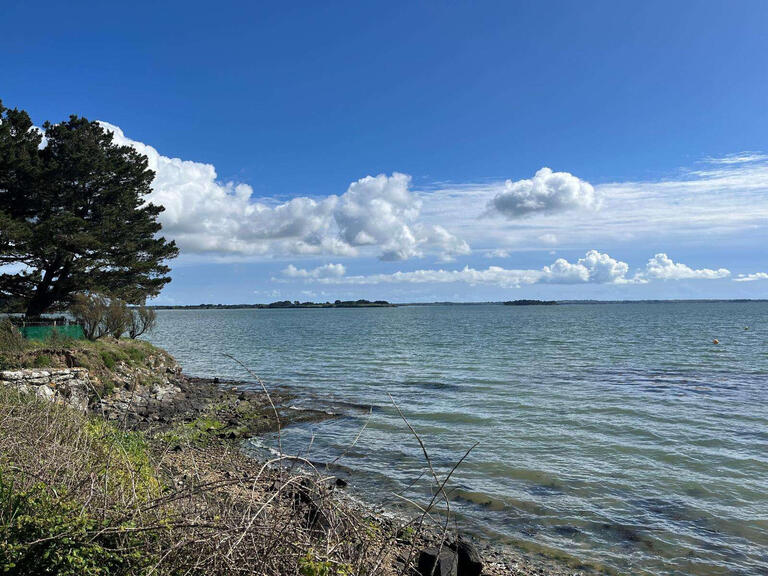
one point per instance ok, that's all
(81, 496)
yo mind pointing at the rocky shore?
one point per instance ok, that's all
(199, 425)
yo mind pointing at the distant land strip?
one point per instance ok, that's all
(283, 304)
(287, 304)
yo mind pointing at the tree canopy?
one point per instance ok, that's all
(73, 216)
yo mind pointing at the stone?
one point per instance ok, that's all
(469, 563)
(444, 562)
(45, 392)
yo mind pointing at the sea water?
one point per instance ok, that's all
(615, 435)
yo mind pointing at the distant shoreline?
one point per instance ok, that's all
(385, 304)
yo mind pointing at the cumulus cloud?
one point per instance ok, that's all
(594, 267)
(205, 215)
(724, 198)
(547, 192)
(662, 267)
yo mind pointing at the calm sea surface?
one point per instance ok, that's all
(615, 434)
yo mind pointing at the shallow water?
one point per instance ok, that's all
(616, 434)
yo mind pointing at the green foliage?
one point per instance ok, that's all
(199, 431)
(51, 521)
(136, 354)
(42, 361)
(135, 473)
(44, 532)
(407, 533)
(56, 338)
(108, 387)
(310, 565)
(108, 358)
(74, 213)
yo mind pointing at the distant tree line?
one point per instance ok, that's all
(284, 304)
(530, 303)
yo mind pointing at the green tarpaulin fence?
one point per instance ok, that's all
(42, 332)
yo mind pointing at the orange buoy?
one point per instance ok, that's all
(715, 341)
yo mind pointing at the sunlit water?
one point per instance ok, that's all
(618, 434)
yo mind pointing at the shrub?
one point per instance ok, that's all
(117, 318)
(136, 354)
(101, 316)
(142, 320)
(67, 542)
(55, 339)
(89, 310)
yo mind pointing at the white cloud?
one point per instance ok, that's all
(751, 277)
(740, 158)
(205, 215)
(384, 216)
(721, 202)
(593, 268)
(546, 193)
(325, 271)
(662, 267)
(497, 253)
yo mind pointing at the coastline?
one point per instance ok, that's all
(498, 559)
(197, 429)
(228, 453)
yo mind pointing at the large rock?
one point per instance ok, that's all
(436, 562)
(470, 563)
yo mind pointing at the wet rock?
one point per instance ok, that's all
(341, 483)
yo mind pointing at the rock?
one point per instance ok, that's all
(469, 563)
(341, 483)
(45, 392)
(69, 386)
(442, 563)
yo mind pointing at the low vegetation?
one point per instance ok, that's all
(100, 500)
(100, 357)
(85, 495)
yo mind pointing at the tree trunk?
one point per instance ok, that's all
(46, 292)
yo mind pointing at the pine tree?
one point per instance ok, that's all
(74, 216)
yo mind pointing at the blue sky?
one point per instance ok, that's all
(427, 151)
